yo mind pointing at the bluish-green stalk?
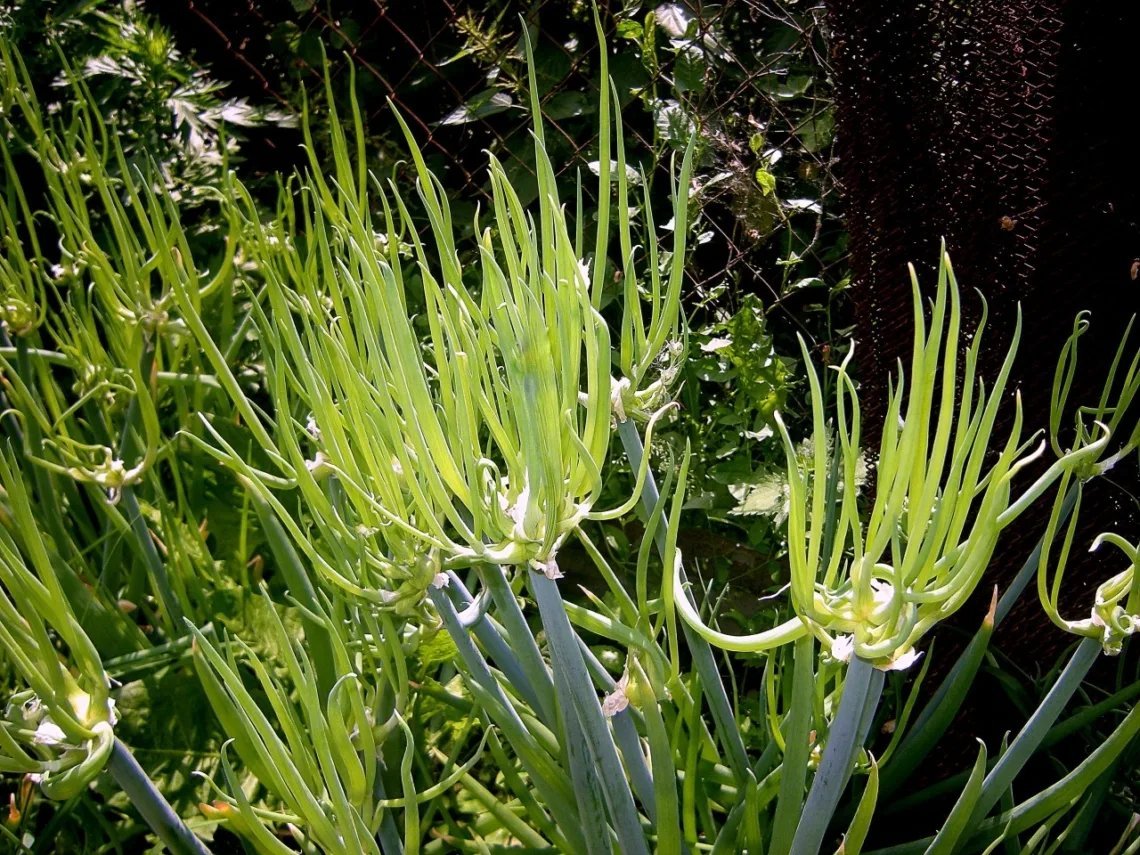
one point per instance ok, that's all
(862, 687)
(149, 802)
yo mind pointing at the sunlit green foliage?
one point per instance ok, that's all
(411, 444)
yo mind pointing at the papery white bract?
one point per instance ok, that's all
(842, 648)
(618, 699)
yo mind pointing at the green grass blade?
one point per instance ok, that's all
(504, 655)
(957, 823)
(703, 662)
(584, 773)
(155, 809)
(625, 735)
(856, 834)
(939, 710)
(522, 640)
(301, 587)
(1044, 804)
(1029, 739)
(555, 790)
(668, 810)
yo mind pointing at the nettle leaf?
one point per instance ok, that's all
(762, 375)
(689, 71)
(437, 649)
(673, 122)
(164, 718)
(768, 498)
(447, 706)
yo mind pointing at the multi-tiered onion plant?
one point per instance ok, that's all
(461, 425)
(85, 352)
(426, 430)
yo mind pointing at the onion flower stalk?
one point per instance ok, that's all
(438, 415)
(60, 729)
(875, 582)
(1115, 612)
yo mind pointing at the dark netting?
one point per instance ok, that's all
(1005, 128)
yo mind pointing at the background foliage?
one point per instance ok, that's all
(748, 78)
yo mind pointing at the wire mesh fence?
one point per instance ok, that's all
(990, 125)
(749, 76)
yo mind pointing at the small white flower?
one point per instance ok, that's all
(517, 511)
(584, 272)
(319, 466)
(618, 390)
(618, 699)
(882, 592)
(843, 648)
(440, 580)
(48, 733)
(901, 661)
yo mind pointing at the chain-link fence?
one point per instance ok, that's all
(751, 76)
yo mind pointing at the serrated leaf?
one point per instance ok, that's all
(762, 374)
(768, 498)
(689, 71)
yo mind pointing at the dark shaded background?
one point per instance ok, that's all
(1004, 128)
